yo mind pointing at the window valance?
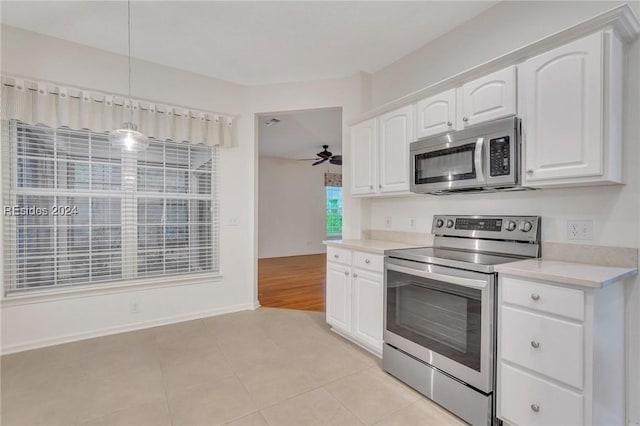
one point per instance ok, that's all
(52, 105)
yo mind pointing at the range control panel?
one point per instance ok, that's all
(478, 224)
(520, 228)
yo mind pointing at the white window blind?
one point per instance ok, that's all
(78, 211)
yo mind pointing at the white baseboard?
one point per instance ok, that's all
(42, 343)
(363, 346)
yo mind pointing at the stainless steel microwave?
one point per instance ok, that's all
(485, 157)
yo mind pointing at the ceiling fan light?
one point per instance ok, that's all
(128, 138)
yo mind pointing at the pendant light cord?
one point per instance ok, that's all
(129, 51)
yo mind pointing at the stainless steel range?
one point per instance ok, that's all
(440, 309)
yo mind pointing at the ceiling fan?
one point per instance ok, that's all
(325, 155)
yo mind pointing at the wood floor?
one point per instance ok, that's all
(295, 282)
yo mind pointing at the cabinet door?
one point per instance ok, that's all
(558, 350)
(562, 100)
(339, 296)
(526, 399)
(367, 308)
(436, 114)
(364, 143)
(490, 97)
(396, 132)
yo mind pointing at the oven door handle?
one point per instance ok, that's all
(478, 160)
(464, 282)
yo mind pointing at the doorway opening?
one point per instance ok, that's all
(299, 204)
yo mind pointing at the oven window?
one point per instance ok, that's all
(446, 165)
(439, 316)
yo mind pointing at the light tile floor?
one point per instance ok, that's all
(263, 367)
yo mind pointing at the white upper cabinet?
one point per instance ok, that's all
(396, 132)
(436, 114)
(364, 147)
(484, 99)
(380, 154)
(570, 99)
(568, 96)
(490, 97)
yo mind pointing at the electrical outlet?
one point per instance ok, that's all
(580, 230)
(387, 222)
(412, 223)
(135, 307)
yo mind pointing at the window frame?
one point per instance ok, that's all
(133, 279)
(340, 210)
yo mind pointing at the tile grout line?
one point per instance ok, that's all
(358, 417)
(164, 385)
(235, 374)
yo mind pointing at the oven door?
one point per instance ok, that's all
(455, 165)
(442, 316)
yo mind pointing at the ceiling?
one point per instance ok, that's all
(300, 134)
(250, 43)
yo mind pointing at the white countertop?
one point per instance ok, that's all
(371, 246)
(579, 274)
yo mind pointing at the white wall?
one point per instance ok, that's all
(39, 323)
(28, 325)
(615, 210)
(505, 27)
(350, 93)
(292, 207)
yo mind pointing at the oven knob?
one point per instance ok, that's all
(449, 223)
(525, 226)
(510, 225)
(439, 223)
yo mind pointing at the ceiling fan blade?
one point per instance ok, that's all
(307, 159)
(324, 154)
(336, 159)
(319, 161)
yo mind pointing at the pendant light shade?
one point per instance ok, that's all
(128, 137)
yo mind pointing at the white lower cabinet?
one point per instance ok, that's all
(367, 293)
(561, 354)
(354, 296)
(533, 401)
(338, 296)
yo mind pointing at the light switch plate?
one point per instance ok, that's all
(232, 221)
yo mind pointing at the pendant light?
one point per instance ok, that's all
(128, 137)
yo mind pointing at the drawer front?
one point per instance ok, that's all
(561, 301)
(370, 261)
(524, 399)
(340, 255)
(543, 344)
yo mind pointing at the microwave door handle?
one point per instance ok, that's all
(478, 160)
(464, 282)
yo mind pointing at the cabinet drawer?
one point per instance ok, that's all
(543, 344)
(370, 261)
(340, 255)
(561, 301)
(524, 399)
